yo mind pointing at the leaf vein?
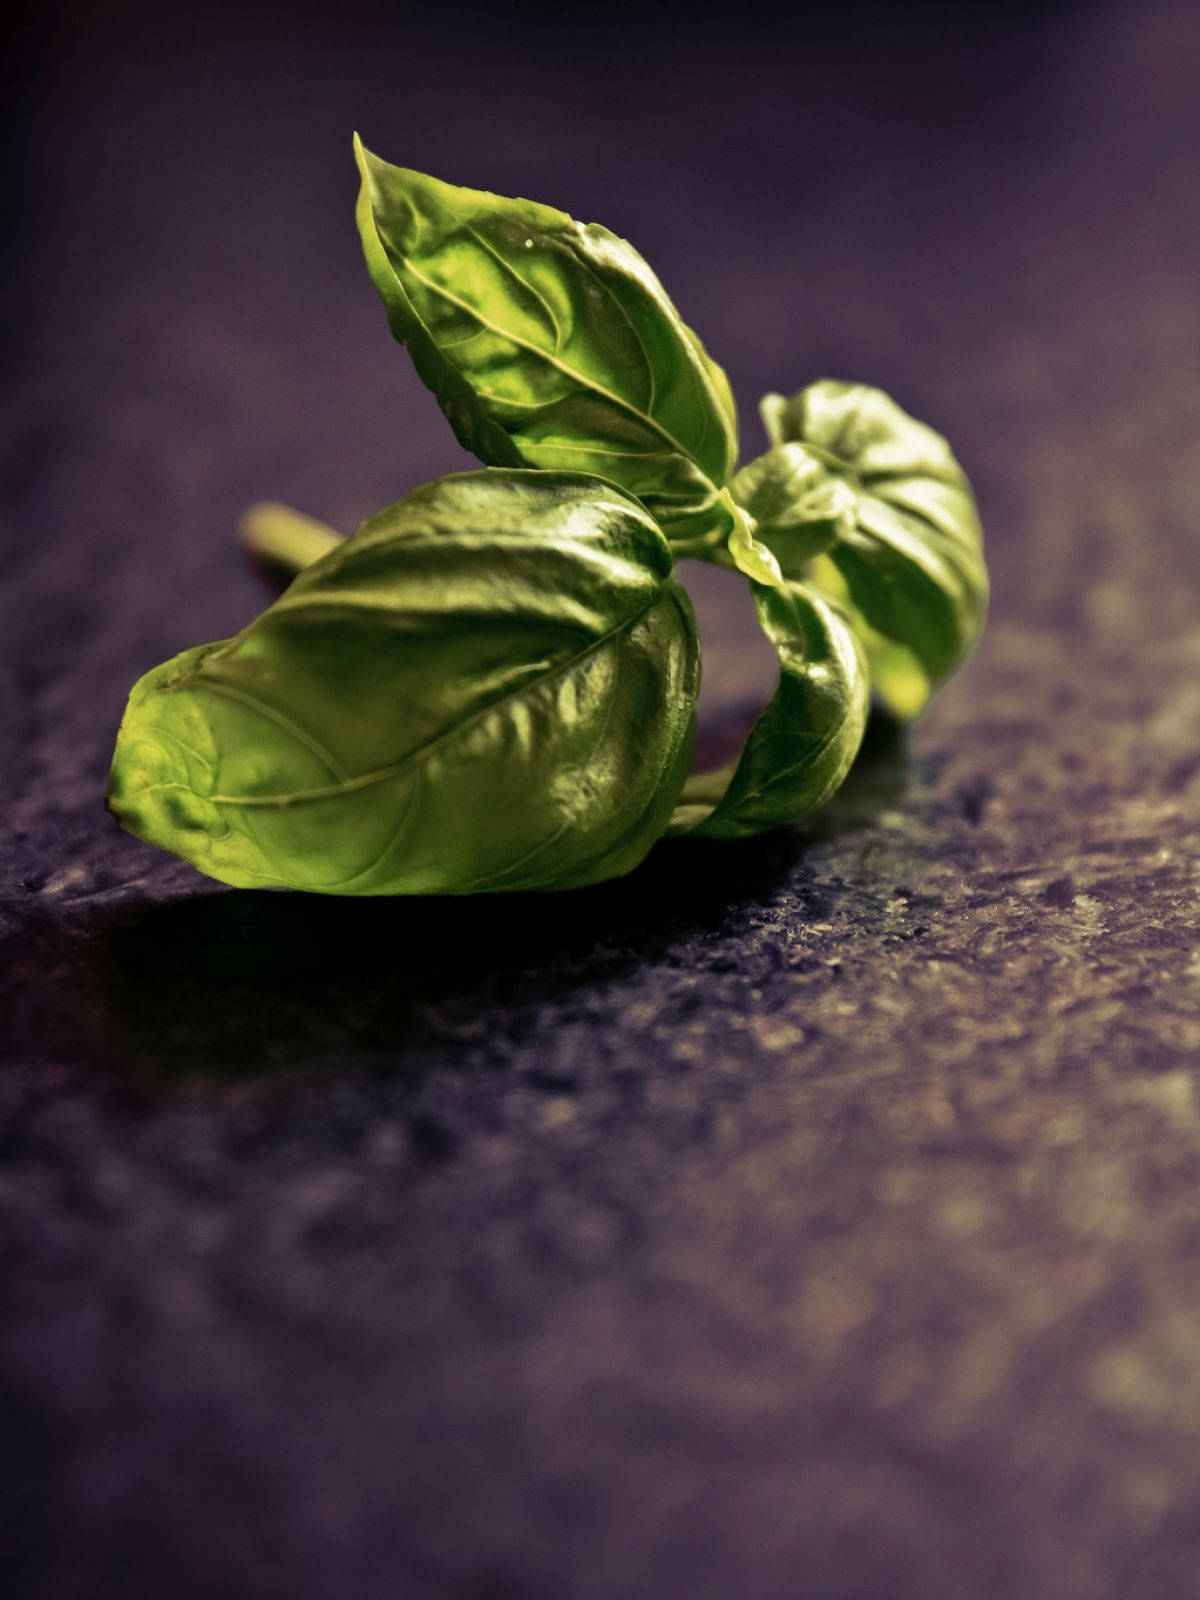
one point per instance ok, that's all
(279, 718)
(384, 774)
(545, 355)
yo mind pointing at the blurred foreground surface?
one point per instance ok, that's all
(809, 1219)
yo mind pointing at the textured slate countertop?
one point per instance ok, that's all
(809, 1219)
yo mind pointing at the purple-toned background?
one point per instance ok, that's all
(816, 1218)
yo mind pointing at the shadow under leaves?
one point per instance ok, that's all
(231, 983)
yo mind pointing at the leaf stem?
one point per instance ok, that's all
(286, 538)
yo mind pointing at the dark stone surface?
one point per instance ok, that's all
(809, 1219)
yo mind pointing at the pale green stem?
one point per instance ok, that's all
(286, 537)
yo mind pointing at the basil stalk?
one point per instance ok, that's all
(802, 745)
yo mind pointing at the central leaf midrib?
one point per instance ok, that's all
(369, 779)
(281, 719)
(545, 355)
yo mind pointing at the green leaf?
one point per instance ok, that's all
(753, 559)
(490, 686)
(549, 343)
(911, 557)
(802, 745)
(719, 380)
(799, 508)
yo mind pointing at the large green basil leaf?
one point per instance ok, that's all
(802, 745)
(910, 555)
(490, 686)
(549, 343)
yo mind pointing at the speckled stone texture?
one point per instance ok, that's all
(815, 1218)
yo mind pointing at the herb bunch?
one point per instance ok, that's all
(491, 685)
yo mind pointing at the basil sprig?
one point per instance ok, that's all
(491, 686)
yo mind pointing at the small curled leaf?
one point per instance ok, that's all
(802, 745)
(911, 555)
(799, 508)
(748, 554)
(490, 686)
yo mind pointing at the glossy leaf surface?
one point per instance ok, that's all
(799, 508)
(802, 745)
(550, 343)
(746, 552)
(911, 555)
(489, 687)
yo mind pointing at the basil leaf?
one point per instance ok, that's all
(549, 343)
(490, 686)
(802, 745)
(897, 677)
(749, 556)
(799, 508)
(911, 558)
(719, 380)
